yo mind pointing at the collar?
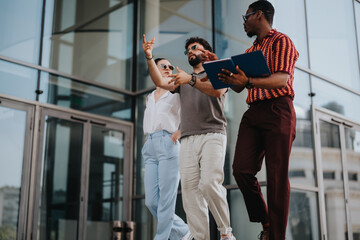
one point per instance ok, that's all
(199, 73)
(268, 35)
(162, 96)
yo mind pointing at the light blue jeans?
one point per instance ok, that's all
(161, 157)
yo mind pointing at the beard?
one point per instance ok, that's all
(195, 61)
(250, 34)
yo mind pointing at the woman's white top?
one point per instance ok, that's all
(162, 115)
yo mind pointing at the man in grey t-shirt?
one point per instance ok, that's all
(203, 141)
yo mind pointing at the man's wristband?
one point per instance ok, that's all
(249, 84)
(148, 58)
(192, 80)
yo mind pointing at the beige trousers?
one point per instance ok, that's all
(202, 174)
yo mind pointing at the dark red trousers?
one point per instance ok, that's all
(266, 129)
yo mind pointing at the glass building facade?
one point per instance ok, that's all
(73, 84)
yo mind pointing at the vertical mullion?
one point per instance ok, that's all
(128, 174)
(37, 174)
(212, 223)
(38, 91)
(24, 193)
(319, 171)
(213, 24)
(84, 184)
(135, 47)
(33, 173)
(134, 86)
(308, 51)
(346, 180)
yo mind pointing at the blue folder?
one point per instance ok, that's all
(253, 64)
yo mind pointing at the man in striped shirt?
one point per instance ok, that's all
(268, 126)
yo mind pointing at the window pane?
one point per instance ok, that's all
(290, 19)
(70, 94)
(12, 138)
(91, 40)
(171, 22)
(332, 41)
(20, 29)
(326, 97)
(18, 81)
(303, 222)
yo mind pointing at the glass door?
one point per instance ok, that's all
(61, 170)
(15, 155)
(106, 181)
(338, 153)
(84, 176)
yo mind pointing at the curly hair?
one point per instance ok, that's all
(199, 40)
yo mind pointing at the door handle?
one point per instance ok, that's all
(98, 123)
(334, 120)
(79, 119)
(347, 125)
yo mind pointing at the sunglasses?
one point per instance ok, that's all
(164, 66)
(193, 47)
(245, 17)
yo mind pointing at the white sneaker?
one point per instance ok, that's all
(229, 236)
(188, 236)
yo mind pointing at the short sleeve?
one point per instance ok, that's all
(285, 55)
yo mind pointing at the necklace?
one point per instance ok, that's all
(200, 75)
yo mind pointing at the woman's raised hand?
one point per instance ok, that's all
(148, 47)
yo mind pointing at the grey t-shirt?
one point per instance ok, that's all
(200, 113)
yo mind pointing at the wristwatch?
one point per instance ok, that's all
(192, 80)
(249, 84)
